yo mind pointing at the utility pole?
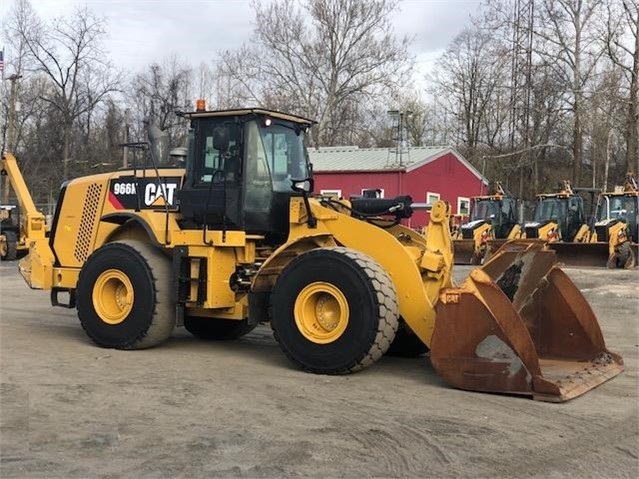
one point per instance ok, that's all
(11, 130)
(11, 127)
(125, 150)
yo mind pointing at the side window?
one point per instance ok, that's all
(336, 194)
(276, 145)
(373, 192)
(256, 157)
(463, 206)
(218, 152)
(212, 161)
(257, 187)
(431, 198)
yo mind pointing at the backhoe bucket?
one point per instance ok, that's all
(519, 325)
(464, 252)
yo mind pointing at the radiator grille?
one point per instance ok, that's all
(85, 234)
(467, 233)
(602, 233)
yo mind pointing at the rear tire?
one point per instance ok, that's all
(123, 296)
(217, 329)
(334, 311)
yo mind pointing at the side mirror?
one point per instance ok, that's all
(302, 186)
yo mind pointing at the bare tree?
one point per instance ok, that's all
(160, 91)
(622, 48)
(320, 59)
(68, 52)
(568, 42)
(468, 80)
(21, 18)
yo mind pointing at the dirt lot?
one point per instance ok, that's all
(195, 409)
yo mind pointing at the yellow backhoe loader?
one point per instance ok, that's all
(9, 233)
(561, 221)
(493, 221)
(616, 228)
(19, 221)
(559, 216)
(236, 239)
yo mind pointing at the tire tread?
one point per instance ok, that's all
(163, 320)
(388, 313)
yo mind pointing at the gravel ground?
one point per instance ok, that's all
(191, 408)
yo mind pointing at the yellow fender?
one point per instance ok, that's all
(419, 267)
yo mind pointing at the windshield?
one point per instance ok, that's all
(616, 207)
(551, 209)
(485, 209)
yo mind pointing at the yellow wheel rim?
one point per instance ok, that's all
(113, 296)
(321, 312)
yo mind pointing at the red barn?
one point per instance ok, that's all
(425, 173)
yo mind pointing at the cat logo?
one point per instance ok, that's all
(129, 192)
(159, 194)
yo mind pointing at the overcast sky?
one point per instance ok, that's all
(144, 31)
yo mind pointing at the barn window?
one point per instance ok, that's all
(431, 197)
(463, 206)
(373, 192)
(337, 194)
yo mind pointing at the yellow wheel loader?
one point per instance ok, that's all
(493, 221)
(235, 239)
(616, 229)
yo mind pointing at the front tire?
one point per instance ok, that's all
(334, 311)
(123, 296)
(10, 252)
(627, 258)
(623, 257)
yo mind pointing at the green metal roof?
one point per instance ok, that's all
(353, 159)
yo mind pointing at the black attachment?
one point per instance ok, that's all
(399, 207)
(56, 302)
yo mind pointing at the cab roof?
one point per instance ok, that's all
(250, 111)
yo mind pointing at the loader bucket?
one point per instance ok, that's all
(519, 325)
(582, 254)
(465, 252)
(493, 245)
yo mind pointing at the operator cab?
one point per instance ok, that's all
(240, 169)
(622, 208)
(499, 211)
(566, 211)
